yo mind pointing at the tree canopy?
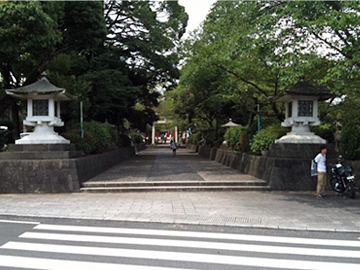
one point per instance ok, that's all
(253, 50)
(110, 54)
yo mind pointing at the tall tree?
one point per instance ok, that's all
(112, 54)
(55, 27)
(267, 45)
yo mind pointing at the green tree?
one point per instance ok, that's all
(266, 45)
(55, 27)
(145, 42)
(110, 54)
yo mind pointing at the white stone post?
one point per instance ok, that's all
(153, 135)
(30, 108)
(176, 134)
(51, 107)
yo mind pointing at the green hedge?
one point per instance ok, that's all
(325, 131)
(350, 140)
(101, 135)
(136, 138)
(195, 138)
(262, 140)
(232, 138)
(124, 141)
(98, 137)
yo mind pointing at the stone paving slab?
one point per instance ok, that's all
(157, 164)
(274, 210)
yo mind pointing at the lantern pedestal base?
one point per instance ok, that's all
(304, 139)
(43, 135)
(300, 133)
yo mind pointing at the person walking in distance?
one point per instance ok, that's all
(173, 147)
(320, 160)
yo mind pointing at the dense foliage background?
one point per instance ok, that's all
(247, 52)
(113, 55)
(110, 54)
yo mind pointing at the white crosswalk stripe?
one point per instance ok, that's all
(141, 249)
(48, 264)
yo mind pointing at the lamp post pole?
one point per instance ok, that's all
(81, 119)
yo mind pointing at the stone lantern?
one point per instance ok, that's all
(43, 111)
(302, 112)
(230, 124)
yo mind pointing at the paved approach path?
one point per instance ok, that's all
(258, 209)
(158, 164)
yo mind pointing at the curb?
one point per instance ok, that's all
(182, 222)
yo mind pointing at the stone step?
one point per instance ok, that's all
(172, 189)
(99, 184)
(115, 186)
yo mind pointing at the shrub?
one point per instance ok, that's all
(97, 138)
(82, 144)
(262, 140)
(210, 139)
(232, 137)
(101, 135)
(349, 139)
(244, 142)
(195, 138)
(136, 138)
(114, 136)
(218, 142)
(325, 131)
(124, 141)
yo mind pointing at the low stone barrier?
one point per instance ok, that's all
(56, 175)
(208, 152)
(140, 147)
(204, 151)
(280, 173)
(257, 166)
(192, 147)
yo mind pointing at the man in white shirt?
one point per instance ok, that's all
(320, 159)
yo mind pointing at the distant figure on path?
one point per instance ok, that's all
(320, 160)
(173, 146)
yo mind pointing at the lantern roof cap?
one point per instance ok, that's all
(304, 88)
(230, 124)
(41, 87)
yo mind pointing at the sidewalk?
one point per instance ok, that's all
(275, 210)
(257, 209)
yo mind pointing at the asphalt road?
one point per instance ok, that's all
(85, 244)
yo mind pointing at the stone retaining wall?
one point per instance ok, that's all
(192, 147)
(208, 152)
(280, 173)
(140, 147)
(56, 175)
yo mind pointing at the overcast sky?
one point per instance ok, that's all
(197, 11)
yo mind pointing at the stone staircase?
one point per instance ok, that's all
(152, 186)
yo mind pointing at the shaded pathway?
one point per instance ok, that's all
(158, 164)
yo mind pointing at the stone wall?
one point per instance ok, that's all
(192, 147)
(208, 152)
(286, 173)
(90, 166)
(140, 147)
(257, 166)
(204, 151)
(56, 175)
